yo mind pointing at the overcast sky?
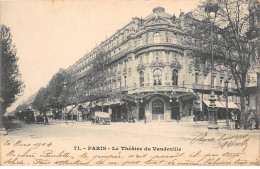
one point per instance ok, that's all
(50, 35)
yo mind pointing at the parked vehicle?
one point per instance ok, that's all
(102, 118)
(39, 119)
(29, 116)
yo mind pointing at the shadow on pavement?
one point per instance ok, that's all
(14, 125)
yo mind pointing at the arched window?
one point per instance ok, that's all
(156, 38)
(141, 79)
(175, 77)
(157, 77)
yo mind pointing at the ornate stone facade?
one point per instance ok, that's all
(150, 71)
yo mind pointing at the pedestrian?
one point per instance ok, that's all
(145, 118)
(46, 120)
(237, 121)
(178, 118)
(233, 121)
(251, 119)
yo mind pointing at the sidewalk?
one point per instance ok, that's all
(181, 125)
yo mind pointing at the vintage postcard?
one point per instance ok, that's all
(129, 83)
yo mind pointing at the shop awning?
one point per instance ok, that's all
(86, 104)
(74, 111)
(108, 102)
(231, 105)
(218, 104)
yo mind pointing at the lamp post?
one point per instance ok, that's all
(65, 86)
(197, 107)
(211, 10)
(226, 96)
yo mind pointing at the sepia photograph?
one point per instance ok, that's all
(129, 83)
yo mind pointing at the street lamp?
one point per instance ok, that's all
(226, 96)
(65, 86)
(211, 10)
(197, 107)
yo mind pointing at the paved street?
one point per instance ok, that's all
(160, 131)
(173, 140)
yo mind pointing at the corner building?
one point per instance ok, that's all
(151, 73)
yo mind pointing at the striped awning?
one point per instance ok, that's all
(231, 105)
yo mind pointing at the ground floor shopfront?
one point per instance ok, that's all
(149, 107)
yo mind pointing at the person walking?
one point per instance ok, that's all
(233, 121)
(145, 118)
(251, 119)
(46, 122)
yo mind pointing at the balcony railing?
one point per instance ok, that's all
(118, 55)
(162, 41)
(208, 87)
(133, 89)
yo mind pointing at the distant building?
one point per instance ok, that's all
(151, 73)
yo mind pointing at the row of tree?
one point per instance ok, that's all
(62, 89)
(234, 51)
(53, 96)
(232, 46)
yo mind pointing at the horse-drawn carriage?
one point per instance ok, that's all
(101, 118)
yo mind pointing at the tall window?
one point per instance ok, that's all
(157, 77)
(196, 78)
(175, 77)
(156, 38)
(175, 57)
(125, 80)
(141, 79)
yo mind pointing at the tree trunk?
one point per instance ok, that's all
(243, 112)
(1, 113)
(2, 124)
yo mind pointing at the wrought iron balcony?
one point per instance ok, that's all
(133, 89)
(208, 87)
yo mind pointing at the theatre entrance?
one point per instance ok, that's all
(157, 110)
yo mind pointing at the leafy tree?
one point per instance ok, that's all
(231, 45)
(40, 102)
(51, 97)
(96, 78)
(11, 83)
(22, 107)
(54, 90)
